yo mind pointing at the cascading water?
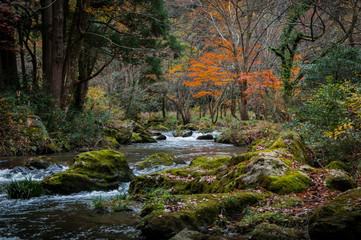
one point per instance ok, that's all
(72, 216)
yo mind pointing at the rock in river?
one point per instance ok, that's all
(97, 170)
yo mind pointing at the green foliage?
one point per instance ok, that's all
(24, 189)
(339, 65)
(31, 123)
(99, 204)
(83, 128)
(330, 121)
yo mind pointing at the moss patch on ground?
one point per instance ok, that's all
(159, 159)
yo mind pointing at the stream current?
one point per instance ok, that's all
(72, 216)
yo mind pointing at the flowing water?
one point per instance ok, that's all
(72, 216)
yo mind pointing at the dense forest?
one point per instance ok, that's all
(281, 78)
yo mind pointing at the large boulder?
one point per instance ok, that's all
(36, 133)
(274, 232)
(276, 170)
(205, 137)
(37, 163)
(339, 180)
(159, 159)
(338, 219)
(128, 131)
(97, 170)
(120, 130)
(182, 133)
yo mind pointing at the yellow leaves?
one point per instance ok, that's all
(341, 129)
(96, 99)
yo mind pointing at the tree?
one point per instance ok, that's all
(210, 75)
(238, 22)
(129, 30)
(8, 66)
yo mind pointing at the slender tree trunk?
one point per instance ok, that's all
(22, 55)
(47, 39)
(164, 114)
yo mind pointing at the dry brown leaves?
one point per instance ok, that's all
(178, 178)
(315, 196)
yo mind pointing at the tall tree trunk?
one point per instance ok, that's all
(57, 58)
(47, 39)
(9, 70)
(74, 47)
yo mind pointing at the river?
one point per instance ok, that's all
(72, 216)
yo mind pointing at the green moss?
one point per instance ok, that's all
(293, 142)
(274, 232)
(166, 225)
(210, 162)
(292, 182)
(159, 159)
(97, 170)
(337, 165)
(190, 126)
(204, 210)
(136, 138)
(285, 160)
(339, 180)
(112, 142)
(161, 128)
(67, 183)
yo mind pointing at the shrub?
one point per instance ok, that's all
(330, 122)
(24, 189)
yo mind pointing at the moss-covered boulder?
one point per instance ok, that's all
(205, 137)
(339, 180)
(182, 133)
(120, 130)
(338, 219)
(141, 135)
(199, 177)
(36, 163)
(288, 141)
(160, 222)
(97, 170)
(190, 126)
(161, 128)
(111, 142)
(274, 232)
(37, 136)
(270, 169)
(128, 131)
(187, 234)
(337, 165)
(159, 159)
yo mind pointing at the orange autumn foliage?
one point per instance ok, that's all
(211, 71)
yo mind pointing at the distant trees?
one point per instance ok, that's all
(78, 39)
